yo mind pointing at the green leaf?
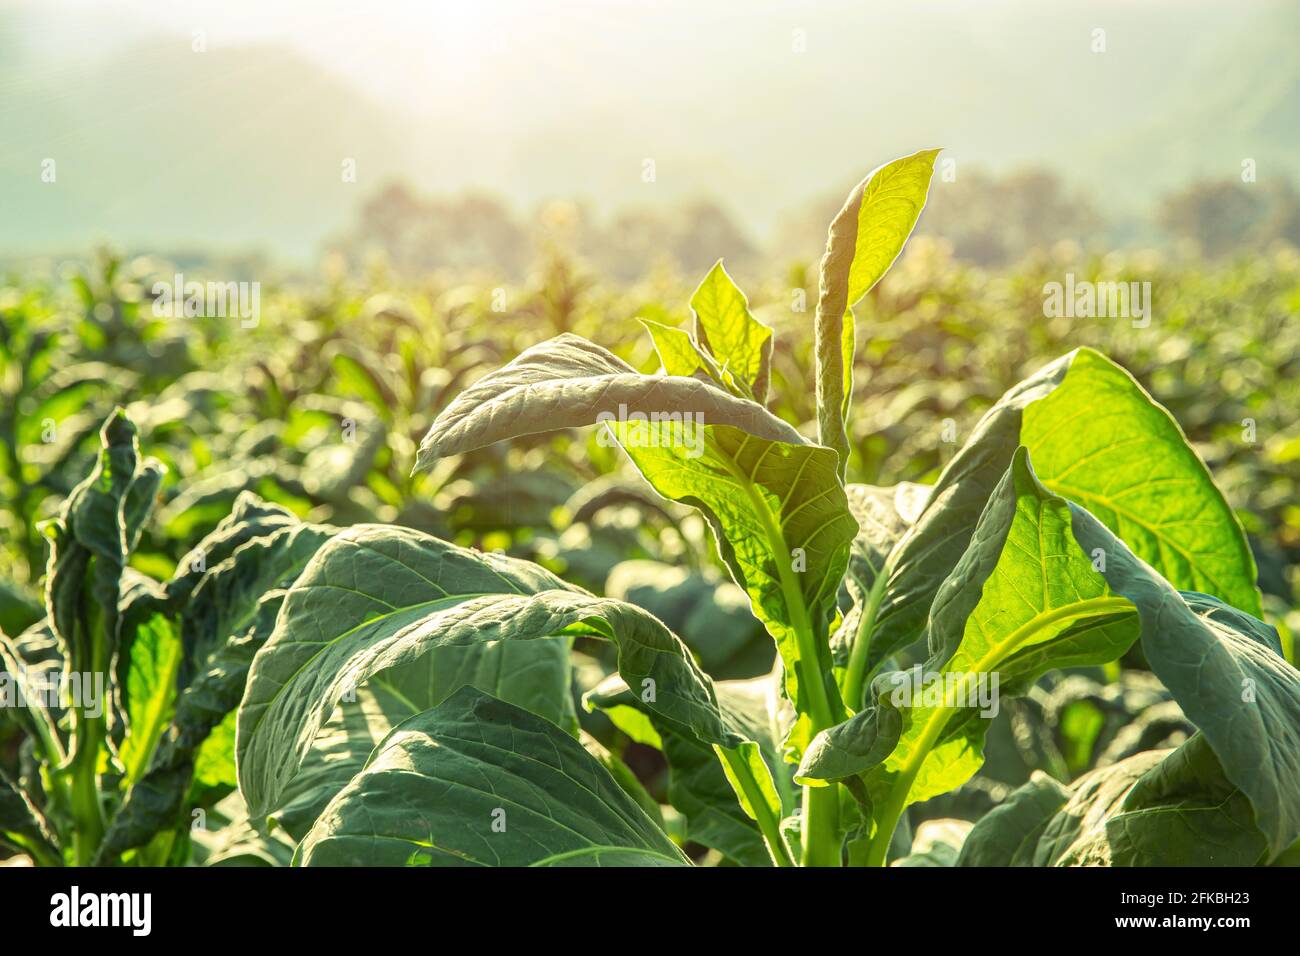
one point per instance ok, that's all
(717, 813)
(1045, 585)
(725, 326)
(232, 840)
(22, 825)
(250, 517)
(534, 675)
(624, 777)
(1159, 808)
(156, 800)
(1098, 439)
(883, 516)
(1023, 599)
(214, 761)
(478, 782)
(865, 238)
(1101, 441)
(225, 599)
(338, 754)
(937, 843)
(226, 610)
(1008, 834)
(376, 597)
(679, 353)
(150, 692)
(567, 382)
(782, 526)
(1226, 670)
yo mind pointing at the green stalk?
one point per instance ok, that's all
(934, 725)
(768, 825)
(87, 814)
(855, 672)
(821, 826)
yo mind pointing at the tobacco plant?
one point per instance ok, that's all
(127, 689)
(1073, 527)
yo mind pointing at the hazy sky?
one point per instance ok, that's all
(761, 104)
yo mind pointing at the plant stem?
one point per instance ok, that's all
(768, 825)
(856, 671)
(88, 821)
(821, 826)
(87, 814)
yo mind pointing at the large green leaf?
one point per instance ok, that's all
(1098, 439)
(1160, 808)
(478, 782)
(1226, 670)
(1045, 585)
(865, 238)
(1023, 599)
(567, 382)
(1008, 834)
(534, 675)
(782, 525)
(1157, 808)
(376, 597)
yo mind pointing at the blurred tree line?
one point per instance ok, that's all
(989, 220)
(417, 234)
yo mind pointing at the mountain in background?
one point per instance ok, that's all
(242, 145)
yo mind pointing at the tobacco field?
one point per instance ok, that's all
(866, 564)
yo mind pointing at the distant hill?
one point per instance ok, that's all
(161, 144)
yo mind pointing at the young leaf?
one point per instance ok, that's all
(478, 782)
(90, 542)
(724, 325)
(865, 238)
(678, 353)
